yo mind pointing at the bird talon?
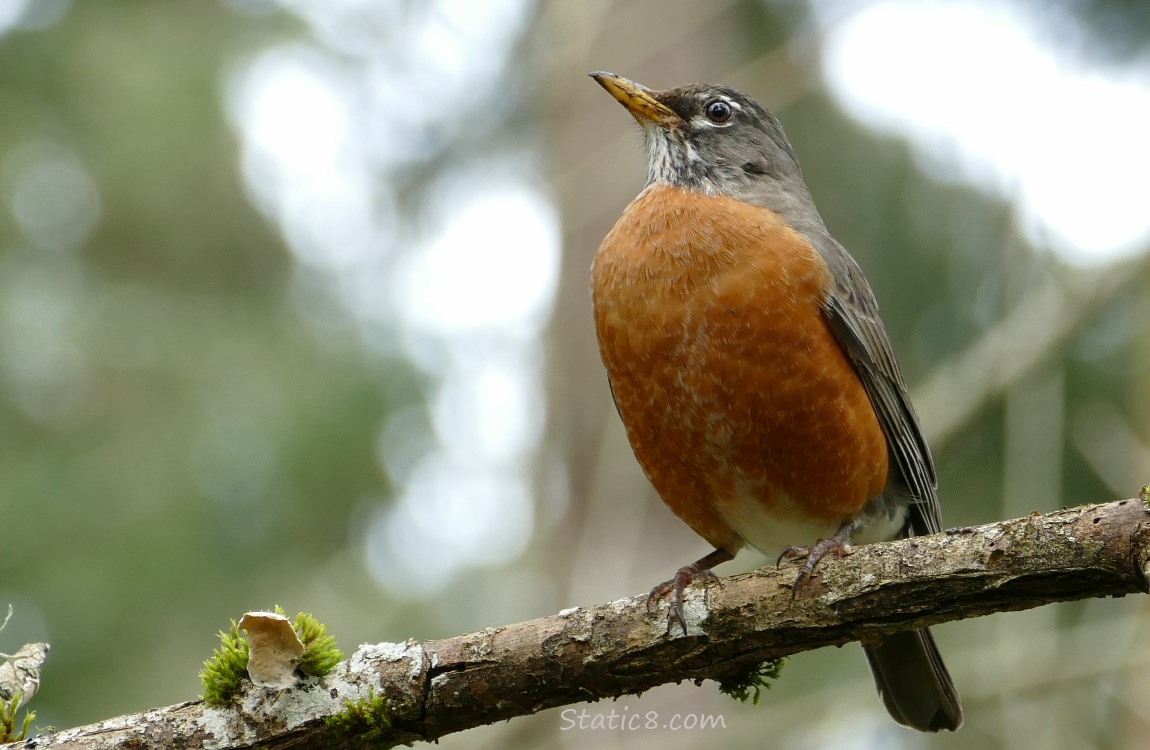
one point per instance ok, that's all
(675, 614)
(673, 589)
(659, 593)
(839, 544)
(791, 552)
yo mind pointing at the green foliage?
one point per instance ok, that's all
(364, 720)
(223, 672)
(750, 684)
(320, 654)
(8, 711)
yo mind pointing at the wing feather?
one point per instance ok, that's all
(852, 313)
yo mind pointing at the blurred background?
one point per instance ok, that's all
(293, 309)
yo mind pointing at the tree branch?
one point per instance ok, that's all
(434, 688)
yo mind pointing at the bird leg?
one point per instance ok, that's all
(700, 570)
(840, 543)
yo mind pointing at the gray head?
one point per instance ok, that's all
(710, 138)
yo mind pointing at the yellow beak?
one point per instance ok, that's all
(639, 100)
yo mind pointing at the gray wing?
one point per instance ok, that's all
(852, 313)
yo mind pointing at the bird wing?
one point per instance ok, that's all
(852, 313)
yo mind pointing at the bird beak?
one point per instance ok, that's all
(639, 100)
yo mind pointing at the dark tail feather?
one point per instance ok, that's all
(914, 683)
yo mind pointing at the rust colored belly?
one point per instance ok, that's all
(739, 404)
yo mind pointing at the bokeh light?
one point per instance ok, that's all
(989, 94)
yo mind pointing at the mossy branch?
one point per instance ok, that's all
(396, 693)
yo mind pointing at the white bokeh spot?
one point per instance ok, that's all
(985, 99)
(494, 263)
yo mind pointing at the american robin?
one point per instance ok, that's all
(750, 367)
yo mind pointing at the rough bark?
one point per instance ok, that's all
(434, 688)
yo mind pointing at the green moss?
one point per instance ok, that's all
(320, 655)
(750, 684)
(8, 722)
(364, 720)
(223, 672)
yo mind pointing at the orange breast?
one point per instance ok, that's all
(736, 398)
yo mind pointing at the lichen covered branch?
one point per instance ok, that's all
(395, 693)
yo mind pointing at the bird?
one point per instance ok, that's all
(748, 363)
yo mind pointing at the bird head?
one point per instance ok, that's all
(708, 138)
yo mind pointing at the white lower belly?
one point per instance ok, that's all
(770, 530)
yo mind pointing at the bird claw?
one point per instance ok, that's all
(673, 590)
(838, 544)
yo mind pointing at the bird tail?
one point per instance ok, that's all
(914, 683)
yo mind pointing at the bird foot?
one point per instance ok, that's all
(672, 590)
(839, 544)
(700, 570)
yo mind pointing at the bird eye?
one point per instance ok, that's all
(718, 111)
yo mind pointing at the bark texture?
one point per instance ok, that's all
(407, 692)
